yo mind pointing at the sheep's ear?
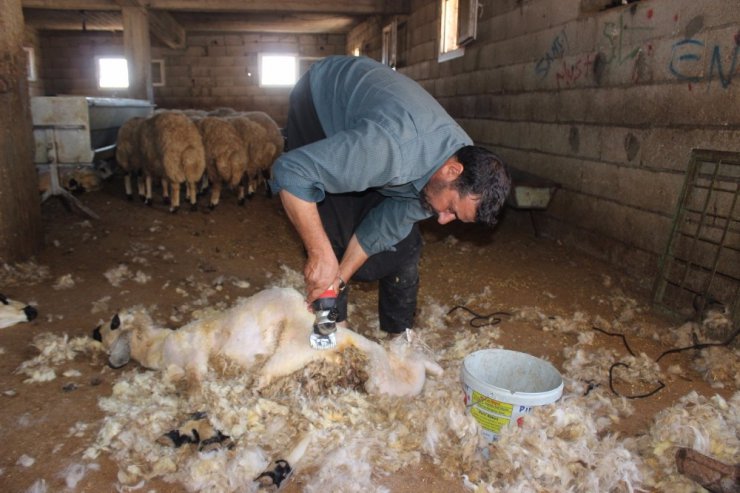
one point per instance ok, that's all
(120, 350)
(96, 334)
(115, 322)
(3, 299)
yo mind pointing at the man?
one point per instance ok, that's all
(377, 154)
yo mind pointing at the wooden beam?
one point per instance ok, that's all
(165, 28)
(354, 7)
(136, 45)
(292, 23)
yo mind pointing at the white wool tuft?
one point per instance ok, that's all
(55, 350)
(22, 273)
(64, 282)
(346, 468)
(117, 275)
(74, 473)
(38, 487)
(25, 460)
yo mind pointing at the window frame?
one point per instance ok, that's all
(159, 64)
(449, 20)
(31, 74)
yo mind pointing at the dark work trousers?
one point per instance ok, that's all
(397, 271)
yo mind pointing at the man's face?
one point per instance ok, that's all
(444, 200)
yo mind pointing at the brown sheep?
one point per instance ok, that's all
(226, 156)
(128, 153)
(275, 137)
(173, 151)
(260, 150)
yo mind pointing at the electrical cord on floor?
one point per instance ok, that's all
(481, 320)
(664, 353)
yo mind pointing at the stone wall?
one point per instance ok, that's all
(213, 70)
(608, 103)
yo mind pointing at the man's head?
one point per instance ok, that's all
(470, 186)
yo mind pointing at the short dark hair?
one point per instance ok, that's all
(484, 174)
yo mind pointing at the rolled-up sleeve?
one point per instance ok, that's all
(345, 162)
(389, 223)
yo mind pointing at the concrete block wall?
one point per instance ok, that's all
(222, 70)
(608, 104)
(213, 69)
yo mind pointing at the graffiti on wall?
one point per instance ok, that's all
(555, 52)
(695, 62)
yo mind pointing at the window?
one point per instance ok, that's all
(458, 27)
(278, 70)
(30, 63)
(112, 73)
(389, 45)
(157, 73)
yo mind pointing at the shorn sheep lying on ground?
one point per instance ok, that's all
(226, 156)
(128, 153)
(172, 150)
(267, 333)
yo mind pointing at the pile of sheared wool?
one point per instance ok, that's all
(22, 273)
(53, 351)
(719, 366)
(710, 426)
(121, 273)
(560, 447)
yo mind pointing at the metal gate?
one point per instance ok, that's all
(701, 263)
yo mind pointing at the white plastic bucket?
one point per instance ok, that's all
(502, 386)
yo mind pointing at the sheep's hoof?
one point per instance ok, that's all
(241, 201)
(193, 207)
(129, 197)
(148, 202)
(142, 198)
(174, 210)
(166, 200)
(212, 206)
(250, 195)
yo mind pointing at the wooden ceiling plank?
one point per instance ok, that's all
(355, 7)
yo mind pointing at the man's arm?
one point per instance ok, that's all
(321, 269)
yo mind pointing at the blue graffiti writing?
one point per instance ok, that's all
(687, 63)
(557, 50)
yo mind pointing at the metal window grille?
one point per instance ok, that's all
(701, 264)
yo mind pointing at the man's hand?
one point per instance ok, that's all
(321, 268)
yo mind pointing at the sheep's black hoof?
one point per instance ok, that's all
(174, 210)
(211, 206)
(129, 197)
(250, 195)
(166, 201)
(142, 198)
(193, 207)
(241, 201)
(276, 475)
(148, 202)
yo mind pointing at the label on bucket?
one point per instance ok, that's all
(488, 421)
(491, 405)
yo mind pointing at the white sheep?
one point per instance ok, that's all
(226, 156)
(128, 153)
(13, 312)
(267, 333)
(173, 151)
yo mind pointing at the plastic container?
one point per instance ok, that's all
(502, 386)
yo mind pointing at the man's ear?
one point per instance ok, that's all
(452, 168)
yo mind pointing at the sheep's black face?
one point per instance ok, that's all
(13, 312)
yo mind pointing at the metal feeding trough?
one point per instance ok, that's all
(530, 192)
(74, 131)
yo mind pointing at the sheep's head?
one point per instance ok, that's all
(13, 312)
(115, 335)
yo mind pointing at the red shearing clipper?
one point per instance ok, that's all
(325, 324)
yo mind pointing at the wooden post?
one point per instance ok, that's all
(711, 474)
(20, 205)
(136, 45)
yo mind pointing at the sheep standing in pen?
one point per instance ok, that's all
(128, 153)
(173, 151)
(267, 333)
(263, 162)
(226, 157)
(259, 149)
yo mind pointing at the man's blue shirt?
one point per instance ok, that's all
(384, 132)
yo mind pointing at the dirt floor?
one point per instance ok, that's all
(239, 251)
